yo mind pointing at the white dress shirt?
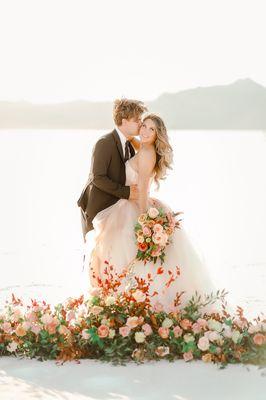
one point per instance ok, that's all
(123, 139)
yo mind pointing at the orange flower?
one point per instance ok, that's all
(20, 331)
(259, 339)
(206, 357)
(142, 246)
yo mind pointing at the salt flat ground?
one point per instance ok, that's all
(24, 379)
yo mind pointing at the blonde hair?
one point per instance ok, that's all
(126, 108)
(164, 151)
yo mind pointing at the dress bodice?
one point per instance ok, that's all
(132, 175)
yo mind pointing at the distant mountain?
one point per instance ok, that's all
(239, 105)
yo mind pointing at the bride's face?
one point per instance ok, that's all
(147, 132)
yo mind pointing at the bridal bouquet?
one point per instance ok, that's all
(153, 233)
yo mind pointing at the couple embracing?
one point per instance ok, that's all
(117, 194)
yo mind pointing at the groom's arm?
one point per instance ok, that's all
(100, 161)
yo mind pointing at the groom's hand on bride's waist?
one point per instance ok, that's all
(134, 192)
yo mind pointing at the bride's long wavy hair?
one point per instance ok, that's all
(164, 151)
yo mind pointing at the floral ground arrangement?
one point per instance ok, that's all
(123, 326)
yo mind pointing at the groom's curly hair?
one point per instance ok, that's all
(127, 108)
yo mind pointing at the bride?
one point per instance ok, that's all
(114, 238)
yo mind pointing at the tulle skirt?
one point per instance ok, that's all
(113, 244)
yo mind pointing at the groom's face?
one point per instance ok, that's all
(132, 125)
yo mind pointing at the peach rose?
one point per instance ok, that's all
(259, 339)
(203, 343)
(142, 246)
(142, 218)
(163, 332)
(206, 357)
(96, 310)
(188, 355)
(31, 317)
(147, 329)
(162, 351)
(20, 331)
(132, 322)
(124, 331)
(157, 252)
(103, 331)
(63, 330)
(186, 324)
(95, 292)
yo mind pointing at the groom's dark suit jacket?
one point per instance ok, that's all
(106, 181)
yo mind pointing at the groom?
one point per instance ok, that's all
(106, 181)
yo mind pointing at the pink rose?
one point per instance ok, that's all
(31, 317)
(177, 331)
(157, 252)
(196, 327)
(158, 307)
(85, 335)
(203, 323)
(188, 355)
(259, 339)
(163, 332)
(70, 315)
(203, 343)
(147, 329)
(146, 231)
(103, 331)
(124, 331)
(6, 326)
(157, 228)
(36, 329)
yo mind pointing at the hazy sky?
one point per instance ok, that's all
(60, 50)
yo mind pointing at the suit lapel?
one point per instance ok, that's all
(118, 143)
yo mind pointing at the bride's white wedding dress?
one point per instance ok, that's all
(114, 242)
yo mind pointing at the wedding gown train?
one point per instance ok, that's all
(114, 241)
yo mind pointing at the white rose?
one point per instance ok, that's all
(139, 296)
(105, 321)
(110, 300)
(212, 335)
(12, 346)
(215, 325)
(153, 212)
(140, 239)
(236, 335)
(188, 337)
(167, 323)
(111, 333)
(140, 337)
(227, 332)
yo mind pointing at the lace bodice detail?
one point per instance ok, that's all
(132, 175)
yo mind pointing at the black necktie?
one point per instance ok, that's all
(129, 150)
